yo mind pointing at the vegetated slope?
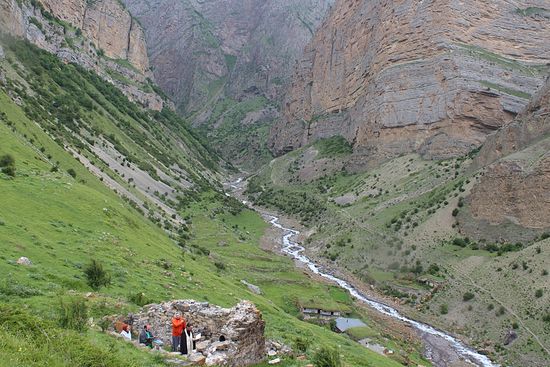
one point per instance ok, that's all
(463, 246)
(67, 132)
(130, 149)
(98, 35)
(396, 77)
(226, 65)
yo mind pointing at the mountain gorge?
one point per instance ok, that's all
(226, 64)
(407, 141)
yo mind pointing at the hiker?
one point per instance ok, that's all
(146, 336)
(126, 332)
(187, 340)
(178, 324)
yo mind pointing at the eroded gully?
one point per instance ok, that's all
(441, 348)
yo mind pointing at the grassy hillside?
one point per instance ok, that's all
(60, 215)
(395, 227)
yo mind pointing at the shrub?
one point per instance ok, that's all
(468, 296)
(443, 309)
(73, 314)
(7, 163)
(219, 265)
(71, 172)
(9, 170)
(96, 276)
(459, 242)
(455, 212)
(7, 160)
(538, 293)
(327, 357)
(139, 299)
(301, 344)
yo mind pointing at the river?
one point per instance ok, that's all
(442, 349)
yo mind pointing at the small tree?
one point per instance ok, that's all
(7, 163)
(71, 172)
(443, 309)
(96, 276)
(538, 293)
(327, 357)
(468, 296)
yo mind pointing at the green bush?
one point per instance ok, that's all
(10, 171)
(7, 163)
(538, 293)
(301, 344)
(327, 357)
(443, 309)
(7, 160)
(96, 276)
(139, 299)
(71, 172)
(468, 296)
(73, 314)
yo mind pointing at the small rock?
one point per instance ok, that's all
(275, 361)
(197, 359)
(202, 346)
(272, 353)
(309, 365)
(252, 288)
(301, 358)
(24, 261)
(216, 359)
(221, 345)
(510, 337)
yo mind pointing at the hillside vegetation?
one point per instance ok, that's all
(397, 227)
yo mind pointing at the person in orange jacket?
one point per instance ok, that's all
(178, 324)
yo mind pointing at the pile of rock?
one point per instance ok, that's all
(229, 336)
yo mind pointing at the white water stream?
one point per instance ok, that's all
(296, 251)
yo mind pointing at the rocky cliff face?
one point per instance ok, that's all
(198, 47)
(226, 64)
(399, 76)
(99, 35)
(511, 200)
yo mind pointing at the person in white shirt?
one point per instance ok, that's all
(126, 332)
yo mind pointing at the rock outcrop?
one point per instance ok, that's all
(99, 35)
(511, 200)
(229, 336)
(435, 77)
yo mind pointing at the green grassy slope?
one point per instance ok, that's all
(61, 222)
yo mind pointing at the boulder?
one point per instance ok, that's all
(24, 261)
(275, 361)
